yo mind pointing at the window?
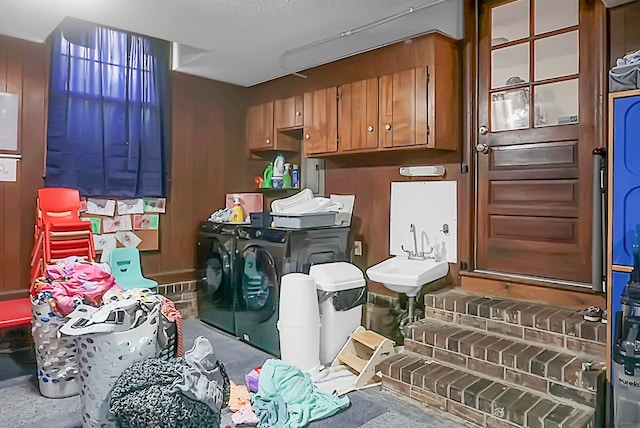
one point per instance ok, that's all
(108, 112)
(534, 64)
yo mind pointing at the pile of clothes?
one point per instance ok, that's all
(71, 282)
(184, 392)
(625, 75)
(278, 395)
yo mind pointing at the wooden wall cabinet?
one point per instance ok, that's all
(259, 127)
(288, 113)
(414, 108)
(402, 119)
(320, 132)
(273, 125)
(358, 115)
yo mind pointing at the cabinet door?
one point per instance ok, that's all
(625, 171)
(259, 126)
(358, 115)
(288, 113)
(398, 108)
(320, 121)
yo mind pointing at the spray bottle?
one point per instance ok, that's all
(237, 215)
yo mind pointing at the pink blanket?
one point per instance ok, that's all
(72, 281)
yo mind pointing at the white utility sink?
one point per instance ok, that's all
(404, 275)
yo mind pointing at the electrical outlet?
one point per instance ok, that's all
(357, 248)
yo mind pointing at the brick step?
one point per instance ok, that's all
(549, 371)
(476, 398)
(547, 325)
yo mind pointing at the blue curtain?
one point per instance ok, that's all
(109, 111)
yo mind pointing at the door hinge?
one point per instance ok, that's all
(428, 130)
(339, 96)
(428, 78)
(463, 266)
(338, 140)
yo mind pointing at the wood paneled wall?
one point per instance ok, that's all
(369, 176)
(624, 36)
(207, 143)
(23, 71)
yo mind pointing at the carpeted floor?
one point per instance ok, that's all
(22, 405)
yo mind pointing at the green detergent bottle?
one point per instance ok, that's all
(266, 176)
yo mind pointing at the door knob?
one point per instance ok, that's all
(387, 127)
(268, 141)
(482, 148)
(483, 130)
(298, 113)
(307, 136)
(370, 129)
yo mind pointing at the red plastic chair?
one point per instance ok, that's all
(58, 204)
(59, 230)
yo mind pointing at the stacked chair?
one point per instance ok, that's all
(59, 232)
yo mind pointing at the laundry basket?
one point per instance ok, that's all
(55, 357)
(101, 360)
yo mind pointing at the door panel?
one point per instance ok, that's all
(358, 115)
(534, 173)
(320, 121)
(625, 173)
(259, 126)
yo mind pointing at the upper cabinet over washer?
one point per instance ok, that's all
(409, 100)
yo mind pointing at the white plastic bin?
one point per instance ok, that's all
(55, 357)
(299, 322)
(341, 293)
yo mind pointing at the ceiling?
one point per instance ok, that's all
(246, 42)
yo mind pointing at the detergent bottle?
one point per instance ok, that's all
(267, 176)
(237, 215)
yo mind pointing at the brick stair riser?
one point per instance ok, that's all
(561, 328)
(478, 399)
(556, 386)
(542, 369)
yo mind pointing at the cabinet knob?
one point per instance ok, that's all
(298, 113)
(307, 136)
(370, 129)
(268, 141)
(387, 127)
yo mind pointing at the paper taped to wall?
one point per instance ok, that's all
(8, 169)
(101, 207)
(130, 206)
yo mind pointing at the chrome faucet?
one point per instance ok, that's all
(414, 255)
(426, 255)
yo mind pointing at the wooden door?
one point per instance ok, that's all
(320, 121)
(288, 113)
(535, 138)
(259, 126)
(358, 115)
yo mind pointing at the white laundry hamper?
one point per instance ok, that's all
(299, 322)
(55, 357)
(101, 360)
(341, 293)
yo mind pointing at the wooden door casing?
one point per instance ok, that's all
(320, 132)
(358, 115)
(534, 186)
